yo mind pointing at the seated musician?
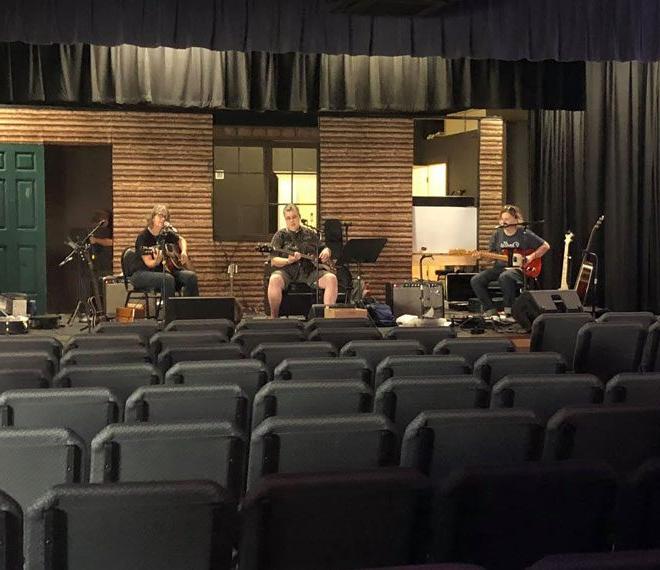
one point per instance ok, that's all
(147, 272)
(509, 236)
(291, 268)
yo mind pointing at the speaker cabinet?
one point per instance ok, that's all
(531, 304)
(201, 308)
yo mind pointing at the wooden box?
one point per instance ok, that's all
(344, 313)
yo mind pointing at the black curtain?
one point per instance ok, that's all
(620, 152)
(259, 81)
(511, 30)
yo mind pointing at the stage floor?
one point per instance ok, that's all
(518, 336)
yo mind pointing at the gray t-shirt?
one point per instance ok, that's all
(521, 240)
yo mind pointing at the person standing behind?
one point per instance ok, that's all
(510, 235)
(293, 268)
(147, 268)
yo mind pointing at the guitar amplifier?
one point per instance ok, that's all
(114, 295)
(415, 298)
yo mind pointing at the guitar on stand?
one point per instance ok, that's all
(568, 238)
(517, 259)
(588, 273)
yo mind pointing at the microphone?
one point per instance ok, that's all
(169, 227)
(303, 220)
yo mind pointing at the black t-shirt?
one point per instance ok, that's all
(144, 241)
(304, 240)
(523, 240)
(102, 253)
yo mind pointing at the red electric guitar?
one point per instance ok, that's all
(532, 268)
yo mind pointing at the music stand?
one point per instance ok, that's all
(361, 250)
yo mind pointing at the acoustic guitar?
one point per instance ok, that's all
(171, 256)
(267, 248)
(518, 259)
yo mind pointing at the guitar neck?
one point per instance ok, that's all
(493, 255)
(563, 284)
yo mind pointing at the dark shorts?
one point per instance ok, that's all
(308, 277)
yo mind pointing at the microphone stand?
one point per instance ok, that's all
(317, 247)
(160, 244)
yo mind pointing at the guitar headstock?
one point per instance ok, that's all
(568, 238)
(263, 248)
(600, 221)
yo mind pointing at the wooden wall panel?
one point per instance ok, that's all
(156, 157)
(366, 179)
(491, 176)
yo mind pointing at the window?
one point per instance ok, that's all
(252, 184)
(430, 180)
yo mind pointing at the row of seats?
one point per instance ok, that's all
(91, 447)
(500, 518)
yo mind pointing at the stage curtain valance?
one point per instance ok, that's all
(259, 81)
(562, 30)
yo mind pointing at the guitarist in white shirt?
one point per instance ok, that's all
(300, 241)
(510, 235)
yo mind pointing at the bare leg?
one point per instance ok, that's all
(275, 288)
(329, 283)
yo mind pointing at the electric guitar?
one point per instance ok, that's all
(568, 238)
(266, 248)
(172, 256)
(530, 268)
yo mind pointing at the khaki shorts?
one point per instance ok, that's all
(308, 277)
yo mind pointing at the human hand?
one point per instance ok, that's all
(294, 257)
(325, 254)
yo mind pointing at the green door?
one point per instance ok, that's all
(23, 221)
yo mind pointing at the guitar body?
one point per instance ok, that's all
(531, 269)
(172, 257)
(266, 248)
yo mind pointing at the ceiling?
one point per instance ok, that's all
(418, 8)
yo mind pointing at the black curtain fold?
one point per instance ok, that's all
(259, 81)
(512, 30)
(620, 153)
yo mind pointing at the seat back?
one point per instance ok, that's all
(424, 365)
(333, 443)
(438, 442)
(335, 521)
(403, 399)
(508, 517)
(133, 525)
(546, 394)
(98, 356)
(167, 339)
(171, 356)
(31, 344)
(634, 389)
(223, 326)
(213, 451)
(33, 460)
(23, 378)
(270, 325)
(374, 351)
(84, 411)
(622, 436)
(145, 328)
(339, 337)
(249, 375)
(352, 322)
(323, 369)
(625, 560)
(121, 379)
(11, 533)
(127, 259)
(429, 337)
(558, 333)
(40, 360)
(294, 399)
(495, 366)
(607, 349)
(249, 339)
(473, 348)
(176, 403)
(272, 353)
(651, 354)
(644, 318)
(107, 341)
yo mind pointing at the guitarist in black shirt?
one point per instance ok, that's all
(295, 268)
(147, 268)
